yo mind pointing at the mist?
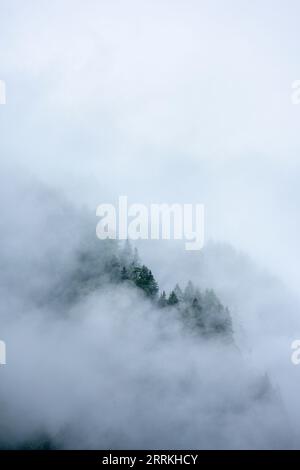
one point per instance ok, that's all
(165, 102)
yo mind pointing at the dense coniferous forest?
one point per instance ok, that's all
(109, 262)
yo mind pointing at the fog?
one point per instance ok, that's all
(110, 371)
(165, 102)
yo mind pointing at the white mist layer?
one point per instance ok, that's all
(116, 374)
(112, 370)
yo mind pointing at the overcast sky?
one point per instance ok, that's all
(164, 101)
(182, 101)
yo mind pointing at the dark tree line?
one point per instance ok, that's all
(99, 263)
(200, 311)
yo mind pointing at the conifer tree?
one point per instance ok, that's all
(172, 300)
(178, 292)
(144, 279)
(189, 292)
(162, 302)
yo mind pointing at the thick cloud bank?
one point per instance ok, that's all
(110, 369)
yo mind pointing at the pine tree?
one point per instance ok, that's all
(197, 313)
(172, 300)
(179, 293)
(144, 279)
(189, 292)
(218, 319)
(162, 302)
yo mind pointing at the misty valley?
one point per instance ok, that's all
(103, 356)
(149, 239)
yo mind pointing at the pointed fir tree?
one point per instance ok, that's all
(144, 279)
(162, 302)
(179, 293)
(189, 292)
(172, 300)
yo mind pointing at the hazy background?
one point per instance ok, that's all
(164, 101)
